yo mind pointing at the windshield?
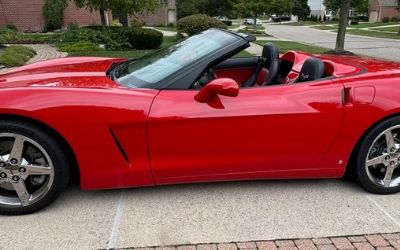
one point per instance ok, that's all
(157, 66)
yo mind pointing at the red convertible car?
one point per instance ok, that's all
(193, 112)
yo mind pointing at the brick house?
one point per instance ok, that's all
(26, 15)
(166, 14)
(383, 8)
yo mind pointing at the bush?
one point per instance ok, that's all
(141, 38)
(11, 27)
(115, 38)
(195, 24)
(395, 19)
(385, 19)
(79, 47)
(16, 56)
(92, 36)
(53, 13)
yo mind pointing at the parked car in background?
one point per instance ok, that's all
(250, 21)
(277, 19)
(224, 19)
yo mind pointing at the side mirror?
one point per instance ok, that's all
(222, 86)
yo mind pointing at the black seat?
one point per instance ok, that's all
(313, 69)
(269, 60)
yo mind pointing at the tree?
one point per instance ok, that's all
(281, 7)
(207, 7)
(343, 21)
(344, 7)
(253, 8)
(301, 9)
(130, 6)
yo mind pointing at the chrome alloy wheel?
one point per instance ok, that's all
(26, 171)
(383, 159)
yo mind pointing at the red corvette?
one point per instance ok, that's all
(194, 113)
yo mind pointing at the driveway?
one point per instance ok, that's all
(203, 213)
(370, 46)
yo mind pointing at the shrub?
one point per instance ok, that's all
(53, 13)
(141, 38)
(195, 24)
(16, 56)
(385, 19)
(395, 19)
(93, 36)
(11, 27)
(79, 47)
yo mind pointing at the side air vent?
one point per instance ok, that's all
(119, 146)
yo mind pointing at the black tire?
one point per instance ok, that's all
(360, 171)
(55, 151)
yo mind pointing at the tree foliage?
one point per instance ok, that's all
(131, 7)
(281, 7)
(361, 6)
(253, 8)
(53, 13)
(207, 7)
(301, 9)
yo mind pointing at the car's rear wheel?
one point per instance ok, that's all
(378, 161)
(33, 168)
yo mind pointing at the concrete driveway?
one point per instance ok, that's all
(370, 46)
(203, 213)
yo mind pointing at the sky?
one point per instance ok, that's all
(315, 4)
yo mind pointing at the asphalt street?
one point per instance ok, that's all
(370, 46)
(202, 213)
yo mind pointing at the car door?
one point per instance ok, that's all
(284, 128)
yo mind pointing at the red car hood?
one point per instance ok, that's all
(84, 72)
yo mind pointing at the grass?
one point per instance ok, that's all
(285, 46)
(387, 29)
(168, 40)
(16, 55)
(254, 30)
(134, 53)
(326, 27)
(373, 33)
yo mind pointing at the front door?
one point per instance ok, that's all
(265, 129)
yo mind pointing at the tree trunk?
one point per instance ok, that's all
(103, 17)
(343, 22)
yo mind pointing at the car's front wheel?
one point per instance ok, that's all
(378, 161)
(33, 168)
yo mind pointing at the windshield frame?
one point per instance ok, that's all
(187, 75)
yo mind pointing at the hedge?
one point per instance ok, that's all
(195, 24)
(16, 56)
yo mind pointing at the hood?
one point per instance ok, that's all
(83, 72)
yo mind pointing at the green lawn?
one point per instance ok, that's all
(285, 46)
(387, 29)
(15, 55)
(371, 25)
(373, 33)
(135, 53)
(168, 40)
(326, 27)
